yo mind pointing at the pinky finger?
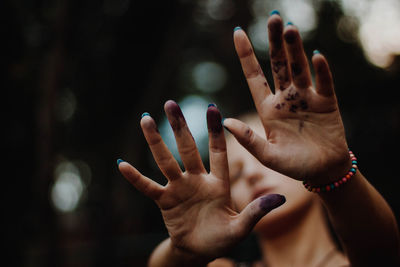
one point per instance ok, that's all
(323, 75)
(142, 183)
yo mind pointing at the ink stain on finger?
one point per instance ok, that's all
(278, 106)
(296, 69)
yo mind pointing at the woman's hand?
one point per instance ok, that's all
(305, 138)
(196, 205)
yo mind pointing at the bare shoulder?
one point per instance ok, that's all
(221, 262)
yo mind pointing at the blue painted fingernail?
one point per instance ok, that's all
(273, 12)
(316, 52)
(222, 121)
(237, 28)
(289, 23)
(212, 105)
(145, 114)
(119, 161)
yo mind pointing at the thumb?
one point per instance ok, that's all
(255, 144)
(257, 209)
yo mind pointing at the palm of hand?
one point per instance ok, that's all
(304, 131)
(193, 203)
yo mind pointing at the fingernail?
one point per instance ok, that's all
(289, 23)
(273, 12)
(222, 121)
(119, 161)
(145, 114)
(212, 105)
(316, 52)
(237, 28)
(272, 201)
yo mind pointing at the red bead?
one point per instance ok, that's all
(336, 184)
(353, 158)
(348, 176)
(328, 188)
(344, 179)
(318, 189)
(340, 182)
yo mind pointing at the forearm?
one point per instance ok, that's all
(166, 255)
(364, 222)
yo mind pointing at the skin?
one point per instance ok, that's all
(304, 140)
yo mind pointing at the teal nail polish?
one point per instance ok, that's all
(145, 114)
(119, 161)
(289, 23)
(222, 121)
(273, 12)
(212, 105)
(316, 52)
(237, 28)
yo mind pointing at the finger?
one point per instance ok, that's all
(254, 143)
(257, 209)
(145, 185)
(256, 80)
(300, 70)
(323, 75)
(277, 52)
(163, 157)
(217, 144)
(186, 145)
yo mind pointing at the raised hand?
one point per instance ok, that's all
(305, 138)
(196, 205)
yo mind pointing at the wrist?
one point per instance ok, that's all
(340, 180)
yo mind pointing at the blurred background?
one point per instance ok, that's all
(77, 75)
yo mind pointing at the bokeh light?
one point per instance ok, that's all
(69, 186)
(379, 28)
(209, 76)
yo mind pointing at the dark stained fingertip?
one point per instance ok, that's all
(272, 201)
(290, 36)
(214, 119)
(173, 108)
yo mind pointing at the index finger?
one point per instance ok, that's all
(256, 80)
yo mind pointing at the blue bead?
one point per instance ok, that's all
(332, 186)
(353, 170)
(354, 162)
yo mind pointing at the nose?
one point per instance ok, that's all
(253, 173)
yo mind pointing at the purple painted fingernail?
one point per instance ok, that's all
(272, 201)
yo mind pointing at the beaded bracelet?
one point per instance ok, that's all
(338, 183)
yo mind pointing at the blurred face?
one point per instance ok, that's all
(250, 180)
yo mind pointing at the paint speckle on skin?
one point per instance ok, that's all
(278, 106)
(292, 95)
(303, 104)
(293, 108)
